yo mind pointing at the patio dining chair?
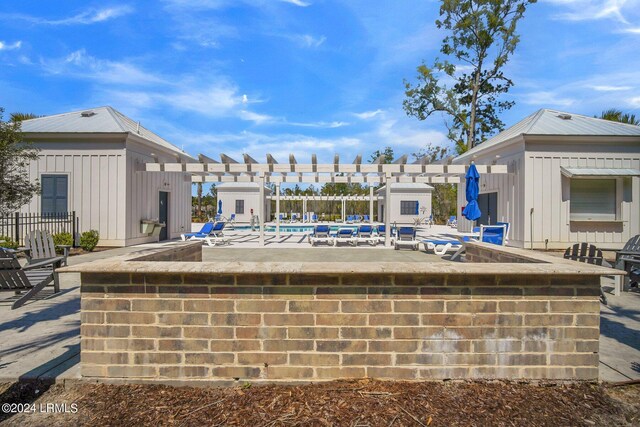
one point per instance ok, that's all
(494, 234)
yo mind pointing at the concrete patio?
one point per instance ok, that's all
(41, 339)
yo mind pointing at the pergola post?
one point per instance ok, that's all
(387, 210)
(261, 208)
(278, 211)
(344, 210)
(370, 203)
(304, 210)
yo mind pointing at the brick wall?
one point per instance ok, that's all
(290, 327)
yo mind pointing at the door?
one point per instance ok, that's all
(163, 214)
(488, 203)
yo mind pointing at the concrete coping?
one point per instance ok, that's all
(536, 264)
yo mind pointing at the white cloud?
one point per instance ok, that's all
(10, 46)
(320, 124)
(255, 117)
(635, 30)
(81, 65)
(634, 102)
(365, 115)
(547, 99)
(87, 17)
(610, 88)
(297, 2)
(307, 40)
(587, 10)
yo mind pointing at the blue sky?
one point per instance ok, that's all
(295, 76)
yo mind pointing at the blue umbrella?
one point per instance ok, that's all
(219, 207)
(472, 211)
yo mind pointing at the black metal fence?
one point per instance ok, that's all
(18, 225)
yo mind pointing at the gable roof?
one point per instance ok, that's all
(103, 120)
(554, 122)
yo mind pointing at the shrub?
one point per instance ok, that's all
(8, 242)
(89, 240)
(62, 239)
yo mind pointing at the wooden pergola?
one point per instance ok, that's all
(250, 170)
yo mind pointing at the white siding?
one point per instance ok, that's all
(423, 196)
(92, 169)
(511, 190)
(251, 197)
(550, 196)
(142, 189)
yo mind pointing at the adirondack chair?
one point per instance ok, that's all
(39, 246)
(31, 278)
(627, 259)
(590, 254)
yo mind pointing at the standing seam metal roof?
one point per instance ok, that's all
(105, 120)
(550, 122)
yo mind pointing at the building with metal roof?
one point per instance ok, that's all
(571, 178)
(93, 162)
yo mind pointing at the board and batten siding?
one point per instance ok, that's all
(548, 194)
(143, 195)
(96, 190)
(422, 196)
(510, 188)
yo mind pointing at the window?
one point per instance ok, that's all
(239, 207)
(593, 200)
(409, 207)
(54, 194)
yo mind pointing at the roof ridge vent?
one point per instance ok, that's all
(565, 116)
(88, 113)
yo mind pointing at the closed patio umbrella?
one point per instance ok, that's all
(472, 210)
(219, 207)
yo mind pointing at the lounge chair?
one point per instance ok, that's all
(366, 218)
(380, 230)
(216, 236)
(294, 218)
(350, 219)
(204, 231)
(314, 218)
(406, 236)
(345, 234)
(452, 221)
(365, 235)
(320, 235)
(495, 234)
(31, 278)
(590, 254)
(232, 221)
(39, 246)
(441, 246)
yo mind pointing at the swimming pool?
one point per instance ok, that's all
(296, 228)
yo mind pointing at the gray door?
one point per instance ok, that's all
(488, 204)
(163, 215)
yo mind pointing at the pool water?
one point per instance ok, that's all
(297, 228)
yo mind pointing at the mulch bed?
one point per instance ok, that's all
(343, 403)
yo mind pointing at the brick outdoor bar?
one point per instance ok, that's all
(163, 315)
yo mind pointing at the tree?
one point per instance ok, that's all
(618, 116)
(15, 156)
(18, 117)
(444, 196)
(387, 152)
(481, 35)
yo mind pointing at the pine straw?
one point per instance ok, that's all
(354, 403)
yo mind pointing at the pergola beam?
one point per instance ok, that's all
(311, 179)
(234, 167)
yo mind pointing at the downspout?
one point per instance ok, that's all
(531, 228)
